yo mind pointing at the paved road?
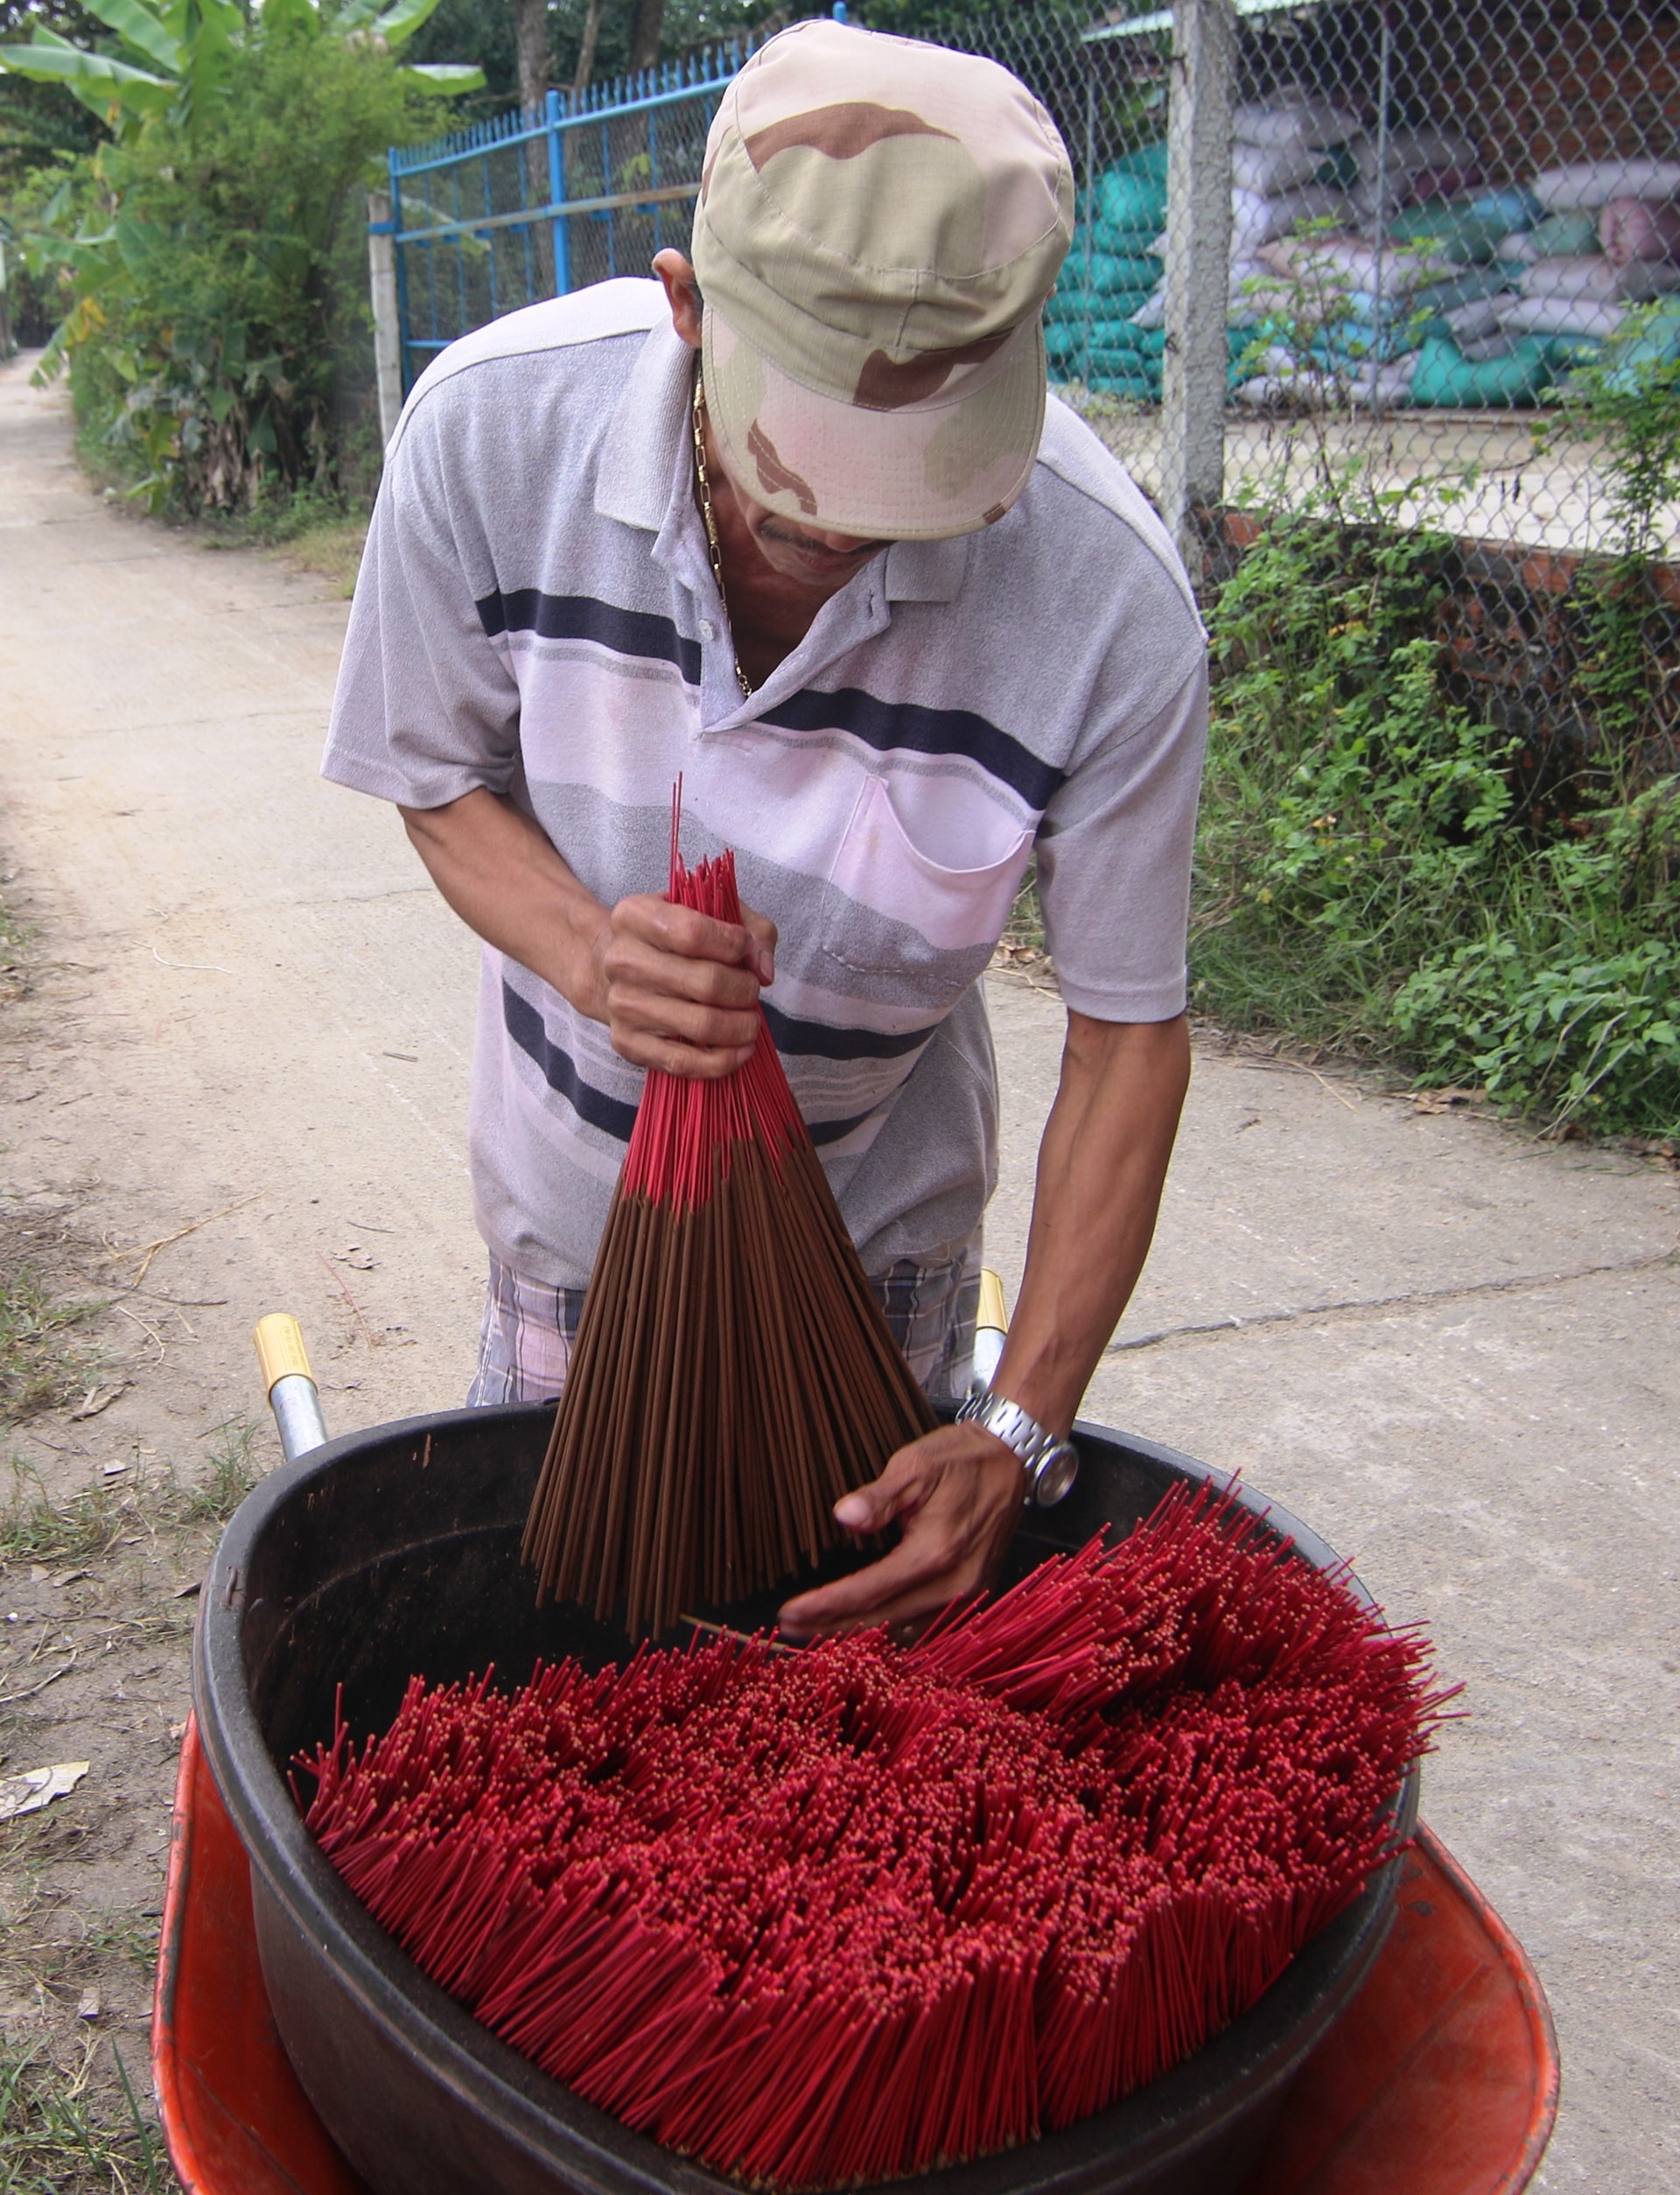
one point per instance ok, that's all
(1451, 1349)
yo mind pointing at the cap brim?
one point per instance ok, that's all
(924, 472)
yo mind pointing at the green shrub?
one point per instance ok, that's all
(204, 351)
(208, 262)
(1365, 878)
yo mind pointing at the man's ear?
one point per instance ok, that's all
(676, 271)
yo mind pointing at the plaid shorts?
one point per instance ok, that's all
(526, 1340)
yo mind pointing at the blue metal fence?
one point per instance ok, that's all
(534, 203)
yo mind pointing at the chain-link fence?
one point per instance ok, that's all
(1439, 213)
(1312, 234)
(540, 201)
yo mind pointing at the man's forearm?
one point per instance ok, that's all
(501, 875)
(1101, 1165)
(677, 989)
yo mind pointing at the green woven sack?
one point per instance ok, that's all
(1142, 390)
(1133, 192)
(1103, 273)
(1445, 376)
(1125, 244)
(1067, 340)
(1128, 365)
(1573, 235)
(1470, 238)
(1142, 346)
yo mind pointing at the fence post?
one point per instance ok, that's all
(1198, 265)
(557, 196)
(387, 331)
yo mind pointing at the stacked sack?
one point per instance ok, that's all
(1432, 289)
(1605, 235)
(1464, 297)
(1419, 311)
(1578, 246)
(1113, 270)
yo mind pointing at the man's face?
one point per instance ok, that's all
(798, 552)
(821, 563)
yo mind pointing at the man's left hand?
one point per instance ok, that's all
(957, 1496)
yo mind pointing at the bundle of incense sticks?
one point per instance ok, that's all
(733, 1374)
(852, 1912)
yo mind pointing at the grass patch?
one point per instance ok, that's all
(41, 1361)
(81, 1528)
(332, 551)
(130, 1937)
(35, 1527)
(16, 937)
(57, 2137)
(229, 1476)
(323, 534)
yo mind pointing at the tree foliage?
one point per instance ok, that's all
(39, 122)
(207, 259)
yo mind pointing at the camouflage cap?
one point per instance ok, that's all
(879, 222)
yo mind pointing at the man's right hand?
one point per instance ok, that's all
(679, 990)
(675, 989)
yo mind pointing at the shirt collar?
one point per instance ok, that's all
(927, 571)
(639, 463)
(639, 454)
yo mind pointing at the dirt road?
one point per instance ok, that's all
(246, 1040)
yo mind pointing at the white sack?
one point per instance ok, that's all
(1558, 316)
(1293, 118)
(1255, 220)
(1471, 323)
(1412, 150)
(1272, 168)
(1349, 262)
(1589, 183)
(1600, 280)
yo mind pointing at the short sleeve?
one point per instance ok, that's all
(426, 708)
(1114, 861)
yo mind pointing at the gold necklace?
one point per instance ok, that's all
(697, 417)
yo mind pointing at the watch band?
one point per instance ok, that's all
(1052, 1462)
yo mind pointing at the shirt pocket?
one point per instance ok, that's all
(931, 873)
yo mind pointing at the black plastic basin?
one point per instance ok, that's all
(396, 1551)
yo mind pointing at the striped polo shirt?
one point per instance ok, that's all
(536, 614)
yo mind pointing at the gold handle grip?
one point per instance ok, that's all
(990, 1325)
(280, 1348)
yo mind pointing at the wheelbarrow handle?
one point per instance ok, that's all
(293, 1395)
(990, 1331)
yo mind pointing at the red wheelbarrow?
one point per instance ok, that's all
(1439, 2077)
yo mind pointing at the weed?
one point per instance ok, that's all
(35, 1528)
(1022, 944)
(40, 1361)
(332, 551)
(56, 2139)
(1365, 878)
(229, 1478)
(130, 1936)
(143, 2133)
(81, 1528)
(16, 937)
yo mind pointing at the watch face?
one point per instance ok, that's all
(1053, 1480)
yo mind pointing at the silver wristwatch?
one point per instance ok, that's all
(1052, 1462)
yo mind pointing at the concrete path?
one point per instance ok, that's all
(1452, 1351)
